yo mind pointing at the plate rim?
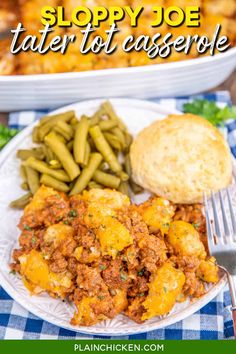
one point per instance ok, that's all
(173, 318)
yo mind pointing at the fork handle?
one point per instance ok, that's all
(232, 288)
(233, 309)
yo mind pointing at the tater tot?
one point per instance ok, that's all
(157, 214)
(166, 285)
(185, 240)
(208, 271)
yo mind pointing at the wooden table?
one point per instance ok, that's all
(229, 85)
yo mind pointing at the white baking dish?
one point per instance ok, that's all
(164, 80)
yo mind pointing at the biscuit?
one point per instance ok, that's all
(180, 157)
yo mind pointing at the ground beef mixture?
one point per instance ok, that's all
(108, 256)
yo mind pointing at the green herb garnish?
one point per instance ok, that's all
(196, 225)
(33, 240)
(123, 276)
(101, 297)
(73, 213)
(209, 110)
(102, 267)
(6, 134)
(27, 227)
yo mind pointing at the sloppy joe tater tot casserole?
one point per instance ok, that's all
(28, 12)
(108, 256)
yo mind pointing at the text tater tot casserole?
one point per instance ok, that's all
(28, 12)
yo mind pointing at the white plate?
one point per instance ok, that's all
(159, 80)
(136, 114)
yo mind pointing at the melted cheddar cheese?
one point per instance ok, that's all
(113, 236)
(38, 277)
(164, 288)
(185, 240)
(158, 215)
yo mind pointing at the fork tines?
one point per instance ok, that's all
(221, 227)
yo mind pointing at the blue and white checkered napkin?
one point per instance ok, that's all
(213, 321)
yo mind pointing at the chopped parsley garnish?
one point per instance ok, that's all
(141, 294)
(73, 213)
(33, 240)
(140, 273)
(27, 227)
(101, 297)
(123, 276)
(102, 267)
(196, 225)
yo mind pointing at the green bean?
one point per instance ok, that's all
(91, 143)
(35, 135)
(113, 141)
(103, 166)
(128, 165)
(42, 167)
(21, 202)
(55, 164)
(74, 121)
(61, 132)
(96, 117)
(46, 127)
(66, 127)
(94, 121)
(23, 173)
(128, 140)
(62, 139)
(87, 154)
(105, 125)
(136, 189)
(81, 134)
(112, 115)
(25, 186)
(67, 116)
(105, 149)
(87, 173)
(63, 155)
(124, 188)
(49, 154)
(45, 149)
(25, 154)
(120, 136)
(32, 179)
(71, 184)
(106, 179)
(54, 183)
(70, 145)
(94, 185)
(123, 176)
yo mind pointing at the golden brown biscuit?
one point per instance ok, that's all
(180, 157)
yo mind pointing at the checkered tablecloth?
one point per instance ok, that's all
(213, 321)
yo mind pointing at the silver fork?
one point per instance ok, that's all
(221, 232)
